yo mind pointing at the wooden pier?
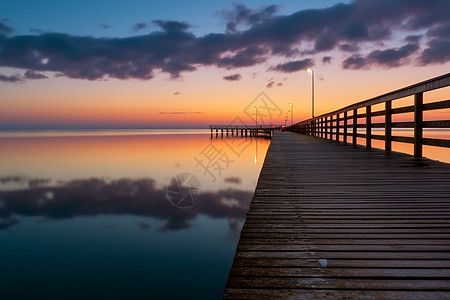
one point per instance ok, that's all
(331, 221)
(334, 220)
(244, 130)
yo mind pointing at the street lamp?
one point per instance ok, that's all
(312, 88)
(292, 113)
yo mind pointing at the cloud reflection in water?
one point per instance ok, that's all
(140, 197)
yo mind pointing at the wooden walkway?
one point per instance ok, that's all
(329, 221)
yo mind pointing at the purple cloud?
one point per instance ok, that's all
(10, 79)
(34, 75)
(173, 49)
(293, 66)
(326, 60)
(393, 57)
(234, 77)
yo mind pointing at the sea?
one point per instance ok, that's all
(149, 214)
(128, 214)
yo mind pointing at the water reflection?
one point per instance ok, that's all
(92, 212)
(139, 197)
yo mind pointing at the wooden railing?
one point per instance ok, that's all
(239, 127)
(335, 124)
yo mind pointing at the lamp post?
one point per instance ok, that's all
(292, 113)
(312, 88)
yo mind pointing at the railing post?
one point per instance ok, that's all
(337, 126)
(345, 128)
(355, 126)
(418, 124)
(314, 127)
(368, 127)
(331, 127)
(326, 127)
(388, 126)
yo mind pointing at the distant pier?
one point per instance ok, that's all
(244, 130)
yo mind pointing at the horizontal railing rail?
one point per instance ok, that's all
(335, 124)
(219, 127)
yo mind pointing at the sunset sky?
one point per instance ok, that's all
(178, 64)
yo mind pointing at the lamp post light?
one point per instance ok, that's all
(312, 88)
(292, 113)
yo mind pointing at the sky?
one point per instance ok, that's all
(169, 64)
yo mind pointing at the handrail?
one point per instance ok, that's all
(329, 124)
(244, 127)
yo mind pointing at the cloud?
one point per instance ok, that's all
(248, 57)
(252, 38)
(349, 48)
(105, 26)
(176, 93)
(139, 197)
(393, 57)
(10, 79)
(5, 29)
(34, 75)
(171, 26)
(244, 16)
(234, 77)
(139, 26)
(354, 62)
(326, 60)
(438, 52)
(293, 66)
(270, 84)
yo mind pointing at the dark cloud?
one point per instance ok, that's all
(34, 75)
(413, 39)
(270, 84)
(393, 57)
(11, 78)
(105, 26)
(354, 62)
(139, 26)
(438, 51)
(244, 58)
(176, 93)
(91, 197)
(326, 60)
(279, 84)
(5, 29)
(244, 16)
(293, 66)
(253, 36)
(171, 26)
(233, 77)
(349, 48)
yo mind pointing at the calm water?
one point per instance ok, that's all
(122, 215)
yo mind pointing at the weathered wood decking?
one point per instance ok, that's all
(329, 221)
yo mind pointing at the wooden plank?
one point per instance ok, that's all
(331, 294)
(381, 224)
